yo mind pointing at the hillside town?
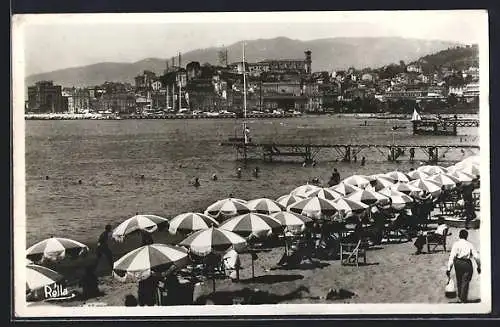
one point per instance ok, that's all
(434, 83)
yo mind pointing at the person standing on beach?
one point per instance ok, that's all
(335, 179)
(461, 254)
(102, 246)
(468, 204)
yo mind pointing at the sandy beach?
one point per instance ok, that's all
(393, 274)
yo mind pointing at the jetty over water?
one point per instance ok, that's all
(441, 126)
(308, 152)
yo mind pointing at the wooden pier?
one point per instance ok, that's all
(441, 126)
(345, 152)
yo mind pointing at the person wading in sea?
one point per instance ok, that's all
(102, 246)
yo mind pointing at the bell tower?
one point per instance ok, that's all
(308, 61)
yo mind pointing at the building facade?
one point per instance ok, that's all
(45, 97)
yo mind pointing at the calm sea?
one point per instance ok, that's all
(109, 158)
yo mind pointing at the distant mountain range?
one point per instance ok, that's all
(327, 55)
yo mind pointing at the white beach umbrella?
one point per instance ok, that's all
(56, 248)
(39, 276)
(148, 223)
(255, 224)
(304, 189)
(398, 176)
(190, 222)
(427, 185)
(399, 200)
(227, 208)
(345, 189)
(139, 263)
(289, 199)
(265, 206)
(358, 180)
(324, 193)
(314, 208)
(293, 222)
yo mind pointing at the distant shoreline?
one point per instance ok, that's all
(220, 116)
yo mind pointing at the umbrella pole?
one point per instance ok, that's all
(213, 271)
(253, 270)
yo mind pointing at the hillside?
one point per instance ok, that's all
(328, 54)
(458, 58)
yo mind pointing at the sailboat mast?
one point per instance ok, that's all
(244, 98)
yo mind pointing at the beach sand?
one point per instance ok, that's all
(393, 274)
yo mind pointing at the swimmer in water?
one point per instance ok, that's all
(80, 181)
(196, 182)
(46, 178)
(142, 176)
(214, 177)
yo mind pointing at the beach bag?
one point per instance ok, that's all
(450, 291)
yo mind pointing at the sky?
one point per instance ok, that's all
(54, 42)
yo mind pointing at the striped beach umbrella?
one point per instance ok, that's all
(254, 224)
(398, 176)
(462, 177)
(148, 223)
(324, 193)
(431, 169)
(139, 263)
(227, 208)
(265, 206)
(347, 205)
(476, 159)
(427, 185)
(314, 208)
(416, 174)
(385, 176)
(292, 221)
(399, 200)
(369, 197)
(381, 182)
(213, 240)
(345, 189)
(468, 168)
(358, 180)
(56, 248)
(289, 199)
(405, 188)
(304, 189)
(190, 222)
(448, 181)
(39, 276)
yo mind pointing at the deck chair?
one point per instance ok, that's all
(350, 253)
(435, 240)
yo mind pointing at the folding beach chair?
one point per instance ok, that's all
(434, 240)
(350, 253)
